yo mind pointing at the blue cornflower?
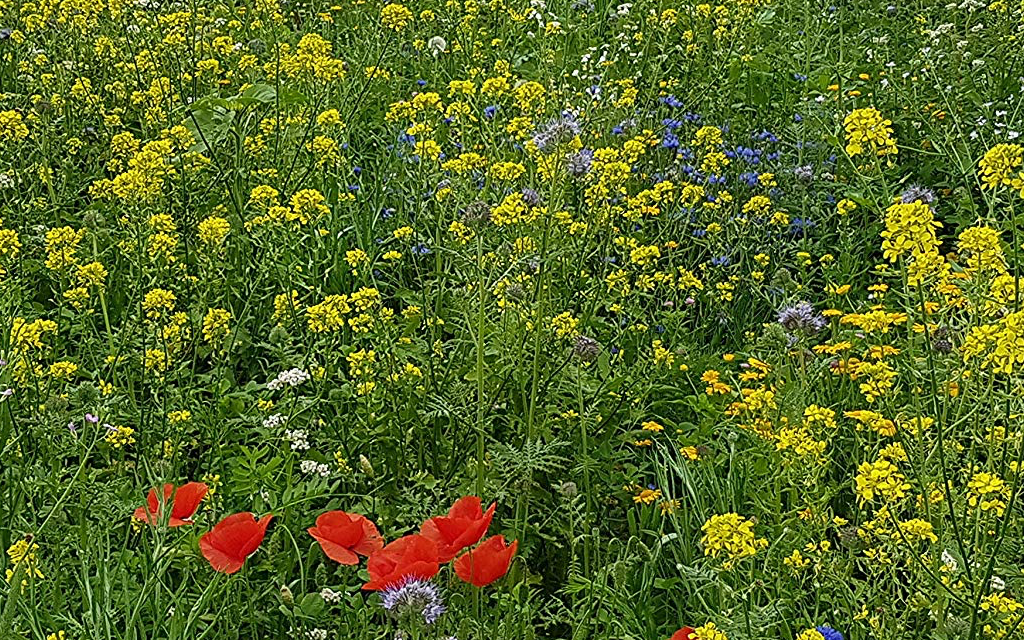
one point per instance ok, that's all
(798, 227)
(829, 633)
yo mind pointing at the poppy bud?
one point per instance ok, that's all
(365, 466)
(286, 596)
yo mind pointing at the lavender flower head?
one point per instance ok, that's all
(579, 163)
(801, 318)
(531, 197)
(585, 348)
(804, 173)
(413, 598)
(914, 193)
(555, 133)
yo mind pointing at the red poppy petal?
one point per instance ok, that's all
(143, 514)
(187, 499)
(371, 540)
(217, 557)
(429, 530)
(232, 540)
(152, 502)
(332, 550)
(451, 529)
(466, 507)
(412, 555)
(486, 563)
(256, 537)
(340, 527)
(683, 634)
(421, 569)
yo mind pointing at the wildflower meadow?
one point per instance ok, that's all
(493, 320)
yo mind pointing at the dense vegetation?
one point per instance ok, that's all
(501, 321)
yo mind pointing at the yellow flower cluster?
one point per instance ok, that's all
(988, 492)
(1000, 167)
(708, 632)
(22, 555)
(881, 479)
(215, 324)
(213, 230)
(910, 234)
(12, 126)
(61, 246)
(980, 247)
(120, 436)
(157, 303)
(868, 132)
(395, 16)
(564, 325)
(1000, 346)
(731, 535)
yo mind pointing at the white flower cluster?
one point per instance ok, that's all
(313, 467)
(290, 378)
(330, 596)
(274, 421)
(298, 438)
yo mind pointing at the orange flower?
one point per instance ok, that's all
(488, 562)
(344, 535)
(410, 556)
(232, 540)
(463, 527)
(186, 501)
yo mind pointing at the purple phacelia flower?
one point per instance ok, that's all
(412, 598)
(801, 318)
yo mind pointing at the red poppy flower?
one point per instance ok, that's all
(343, 535)
(488, 562)
(412, 556)
(686, 633)
(186, 501)
(463, 527)
(232, 540)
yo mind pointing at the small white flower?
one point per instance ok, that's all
(330, 596)
(949, 560)
(437, 45)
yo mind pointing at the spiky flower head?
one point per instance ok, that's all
(414, 598)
